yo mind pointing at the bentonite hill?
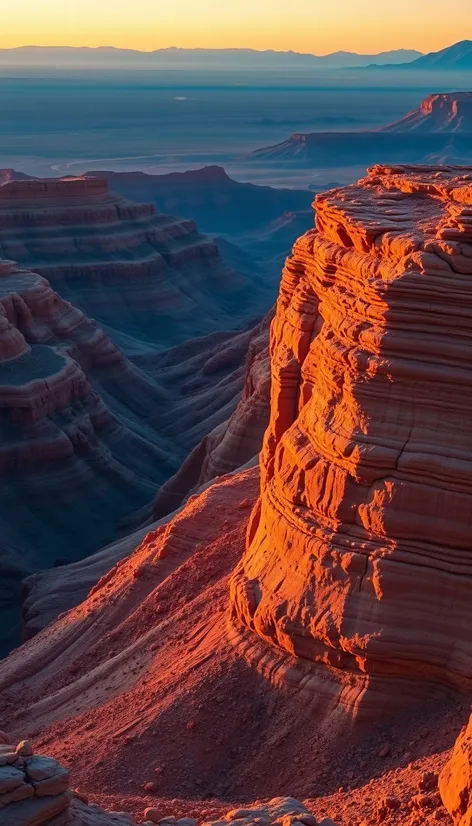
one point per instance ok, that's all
(292, 644)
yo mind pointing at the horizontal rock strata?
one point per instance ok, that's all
(150, 278)
(358, 554)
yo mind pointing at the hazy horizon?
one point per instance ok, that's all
(259, 24)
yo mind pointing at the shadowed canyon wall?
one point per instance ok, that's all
(97, 414)
(151, 279)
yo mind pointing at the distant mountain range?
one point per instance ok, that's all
(455, 58)
(173, 58)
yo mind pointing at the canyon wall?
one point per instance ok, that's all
(151, 279)
(358, 551)
(98, 412)
(234, 442)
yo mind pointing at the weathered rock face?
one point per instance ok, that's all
(455, 780)
(358, 553)
(438, 113)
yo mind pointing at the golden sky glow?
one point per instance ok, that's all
(318, 26)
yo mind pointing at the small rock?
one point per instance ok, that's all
(187, 821)
(384, 751)
(391, 803)
(154, 815)
(150, 786)
(25, 749)
(421, 801)
(428, 781)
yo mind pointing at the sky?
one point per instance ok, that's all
(317, 26)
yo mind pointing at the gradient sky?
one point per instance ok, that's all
(318, 26)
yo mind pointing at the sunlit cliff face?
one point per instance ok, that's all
(358, 554)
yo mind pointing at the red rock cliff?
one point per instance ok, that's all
(358, 554)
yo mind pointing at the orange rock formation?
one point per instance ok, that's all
(355, 569)
(358, 552)
(455, 780)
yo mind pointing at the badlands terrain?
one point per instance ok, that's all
(292, 644)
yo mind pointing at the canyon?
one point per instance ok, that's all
(309, 612)
(123, 344)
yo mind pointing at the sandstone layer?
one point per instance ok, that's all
(358, 551)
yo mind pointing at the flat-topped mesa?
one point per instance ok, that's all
(359, 551)
(451, 112)
(73, 188)
(65, 201)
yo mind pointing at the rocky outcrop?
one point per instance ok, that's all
(358, 552)
(450, 112)
(35, 791)
(280, 811)
(455, 780)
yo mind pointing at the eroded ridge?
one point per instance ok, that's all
(359, 550)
